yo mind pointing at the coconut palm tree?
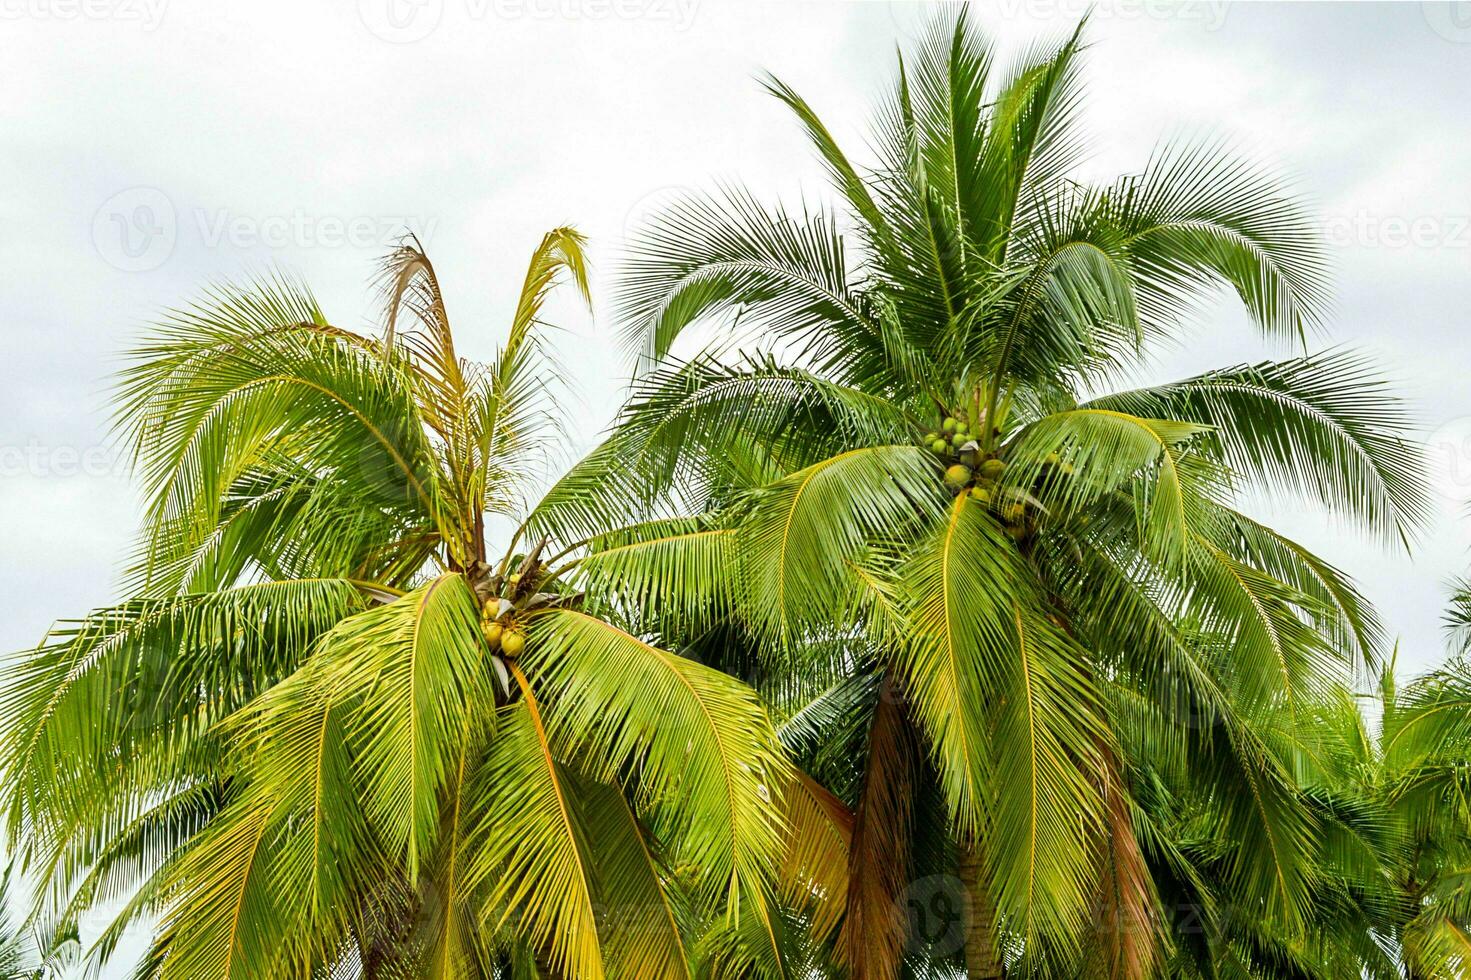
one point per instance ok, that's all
(330, 732)
(1328, 744)
(1385, 770)
(1425, 740)
(993, 581)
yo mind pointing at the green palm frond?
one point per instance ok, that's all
(531, 845)
(1324, 426)
(723, 810)
(640, 924)
(802, 531)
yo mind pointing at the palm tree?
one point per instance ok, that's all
(1422, 781)
(330, 733)
(1386, 772)
(992, 581)
(1328, 741)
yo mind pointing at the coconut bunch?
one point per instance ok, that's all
(954, 441)
(976, 469)
(525, 584)
(950, 439)
(498, 623)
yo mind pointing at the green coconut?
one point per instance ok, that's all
(948, 425)
(513, 642)
(1051, 459)
(493, 633)
(961, 426)
(959, 439)
(980, 495)
(939, 445)
(992, 469)
(957, 476)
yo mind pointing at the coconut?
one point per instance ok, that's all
(939, 445)
(957, 476)
(948, 425)
(992, 469)
(493, 633)
(980, 495)
(959, 439)
(960, 426)
(1051, 459)
(1016, 512)
(513, 642)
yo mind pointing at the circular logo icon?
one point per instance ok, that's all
(401, 21)
(910, 19)
(1451, 19)
(643, 215)
(1448, 458)
(937, 911)
(135, 229)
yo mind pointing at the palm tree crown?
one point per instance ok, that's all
(330, 733)
(1017, 598)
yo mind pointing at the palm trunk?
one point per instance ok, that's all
(982, 946)
(874, 931)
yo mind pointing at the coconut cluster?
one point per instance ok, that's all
(977, 474)
(969, 468)
(502, 632)
(951, 438)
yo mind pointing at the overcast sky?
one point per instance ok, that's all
(148, 146)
